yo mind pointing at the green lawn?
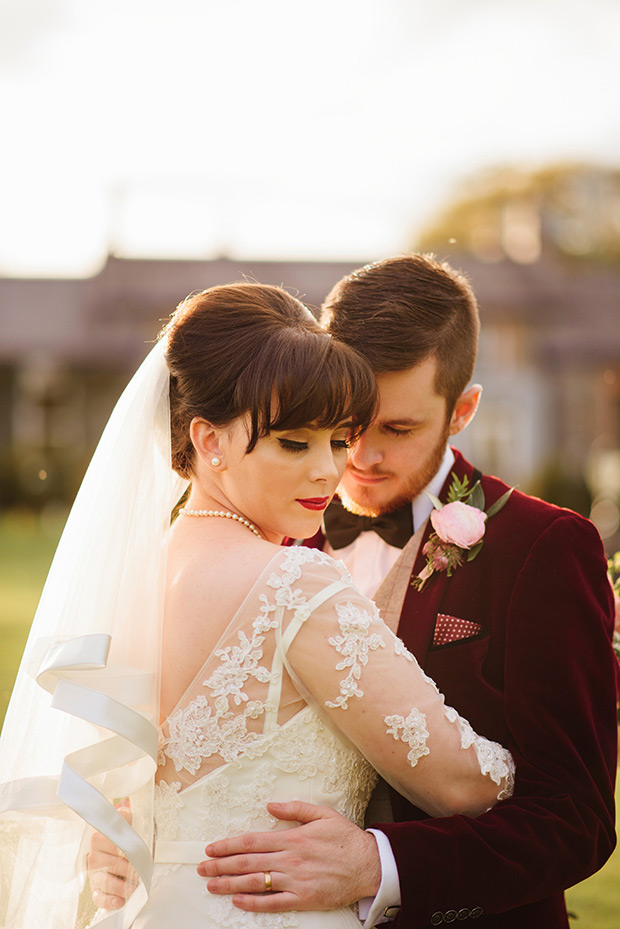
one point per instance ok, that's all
(27, 545)
(26, 548)
(596, 902)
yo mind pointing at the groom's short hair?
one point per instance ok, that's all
(401, 311)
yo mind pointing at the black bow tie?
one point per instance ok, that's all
(342, 527)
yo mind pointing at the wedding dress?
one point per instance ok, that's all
(306, 695)
(305, 679)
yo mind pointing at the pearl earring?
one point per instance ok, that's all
(216, 462)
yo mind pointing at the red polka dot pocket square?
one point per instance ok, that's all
(449, 629)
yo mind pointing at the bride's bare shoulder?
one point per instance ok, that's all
(199, 566)
(205, 586)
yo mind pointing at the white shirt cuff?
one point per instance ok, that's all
(388, 895)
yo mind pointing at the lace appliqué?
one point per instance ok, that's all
(353, 643)
(414, 734)
(297, 555)
(303, 752)
(400, 648)
(294, 599)
(235, 809)
(309, 749)
(355, 779)
(167, 807)
(493, 758)
(203, 728)
(197, 732)
(227, 916)
(240, 662)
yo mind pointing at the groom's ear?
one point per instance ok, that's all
(465, 408)
(205, 439)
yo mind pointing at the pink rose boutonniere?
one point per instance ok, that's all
(459, 526)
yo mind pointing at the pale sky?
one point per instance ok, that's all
(276, 129)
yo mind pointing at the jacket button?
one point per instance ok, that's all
(436, 919)
(463, 914)
(450, 916)
(476, 912)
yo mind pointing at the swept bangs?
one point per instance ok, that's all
(300, 377)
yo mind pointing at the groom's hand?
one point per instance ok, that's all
(323, 863)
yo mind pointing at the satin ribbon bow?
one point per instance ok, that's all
(342, 527)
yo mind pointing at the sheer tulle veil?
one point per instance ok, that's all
(81, 729)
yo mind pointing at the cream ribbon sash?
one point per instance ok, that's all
(77, 674)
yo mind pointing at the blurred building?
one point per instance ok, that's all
(543, 255)
(68, 347)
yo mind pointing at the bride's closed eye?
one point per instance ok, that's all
(292, 446)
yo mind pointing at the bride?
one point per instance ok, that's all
(260, 669)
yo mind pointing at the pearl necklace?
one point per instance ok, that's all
(226, 513)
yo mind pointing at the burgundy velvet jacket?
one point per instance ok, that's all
(539, 676)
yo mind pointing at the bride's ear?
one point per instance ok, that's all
(206, 439)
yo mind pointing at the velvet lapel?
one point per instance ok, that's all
(420, 607)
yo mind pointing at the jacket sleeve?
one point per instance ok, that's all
(560, 698)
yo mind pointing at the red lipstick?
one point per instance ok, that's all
(314, 503)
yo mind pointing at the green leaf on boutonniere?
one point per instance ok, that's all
(434, 500)
(474, 551)
(476, 497)
(458, 488)
(499, 504)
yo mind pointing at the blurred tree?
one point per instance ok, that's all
(569, 211)
(555, 484)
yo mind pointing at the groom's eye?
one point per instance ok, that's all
(397, 432)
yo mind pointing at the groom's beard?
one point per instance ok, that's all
(411, 488)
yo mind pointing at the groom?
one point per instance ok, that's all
(517, 638)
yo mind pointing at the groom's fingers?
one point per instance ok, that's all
(248, 883)
(257, 842)
(234, 865)
(291, 889)
(323, 863)
(301, 812)
(268, 903)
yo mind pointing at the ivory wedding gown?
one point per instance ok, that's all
(307, 695)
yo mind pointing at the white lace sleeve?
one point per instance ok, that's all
(344, 659)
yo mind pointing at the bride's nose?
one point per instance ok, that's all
(324, 466)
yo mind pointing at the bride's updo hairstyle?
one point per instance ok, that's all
(254, 349)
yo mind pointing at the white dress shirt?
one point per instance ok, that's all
(369, 559)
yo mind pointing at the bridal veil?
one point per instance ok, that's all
(81, 729)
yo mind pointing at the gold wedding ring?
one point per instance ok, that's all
(267, 881)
